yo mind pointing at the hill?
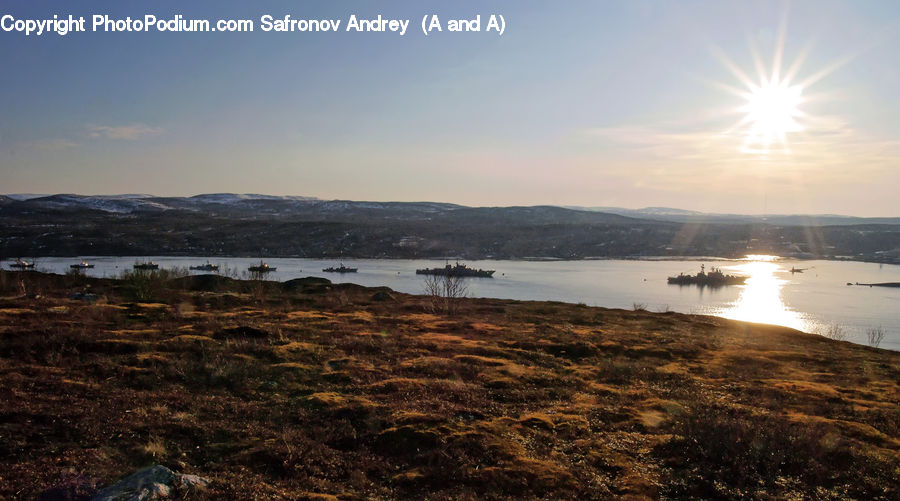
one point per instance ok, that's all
(228, 224)
(686, 216)
(311, 390)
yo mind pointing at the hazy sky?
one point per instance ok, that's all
(578, 103)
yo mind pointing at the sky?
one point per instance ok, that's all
(588, 103)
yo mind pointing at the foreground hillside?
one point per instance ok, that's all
(308, 389)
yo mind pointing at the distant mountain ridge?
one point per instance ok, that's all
(131, 202)
(685, 216)
(127, 203)
(220, 224)
(253, 205)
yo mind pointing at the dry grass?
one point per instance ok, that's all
(323, 393)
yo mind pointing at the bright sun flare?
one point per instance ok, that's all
(772, 98)
(771, 113)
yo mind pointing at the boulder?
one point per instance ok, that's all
(382, 295)
(155, 482)
(242, 331)
(84, 296)
(204, 283)
(308, 285)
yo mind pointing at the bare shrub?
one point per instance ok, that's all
(143, 285)
(75, 273)
(875, 335)
(258, 287)
(639, 306)
(155, 448)
(29, 283)
(719, 450)
(444, 292)
(138, 284)
(229, 271)
(834, 331)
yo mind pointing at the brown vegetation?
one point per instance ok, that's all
(320, 391)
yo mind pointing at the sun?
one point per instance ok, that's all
(771, 113)
(771, 100)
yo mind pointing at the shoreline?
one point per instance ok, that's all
(245, 282)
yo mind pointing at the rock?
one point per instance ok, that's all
(308, 285)
(192, 482)
(382, 296)
(242, 331)
(155, 482)
(205, 283)
(71, 487)
(308, 281)
(84, 296)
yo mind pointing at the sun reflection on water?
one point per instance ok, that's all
(761, 296)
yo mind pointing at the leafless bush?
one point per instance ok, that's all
(75, 272)
(664, 309)
(875, 335)
(639, 306)
(259, 288)
(26, 284)
(444, 292)
(834, 331)
(143, 285)
(230, 272)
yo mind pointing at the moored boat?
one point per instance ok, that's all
(22, 265)
(261, 268)
(84, 265)
(205, 267)
(146, 266)
(459, 270)
(714, 278)
(340, 269)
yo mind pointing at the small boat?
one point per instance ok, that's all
(341, 269)
(797, 270)
(84, 265)
(460, 270)
(22, 265)
(261, 268)
(714, 278)
(146, 266)
(206, 267)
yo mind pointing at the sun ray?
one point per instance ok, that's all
(740, 123)
(771, 114)
(731, 66)
(771, 99)
(757, 62)
(731, 89)
(824, 72)
(791, 73)
(779, 48)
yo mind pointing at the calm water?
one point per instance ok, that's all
(807, 301)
